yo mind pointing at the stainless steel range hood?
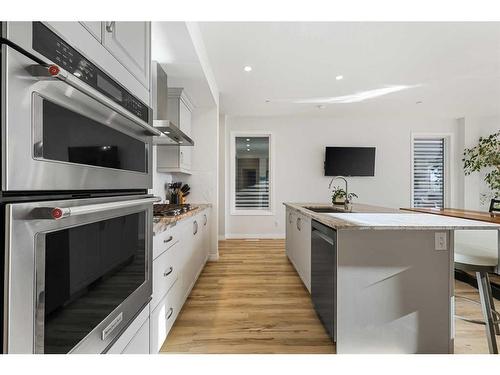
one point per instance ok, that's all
(172, 135)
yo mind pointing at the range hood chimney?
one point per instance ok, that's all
(172, 135)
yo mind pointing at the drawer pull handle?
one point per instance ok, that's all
(170, 270)
(110, 26)
(170, 312)
(168, 239)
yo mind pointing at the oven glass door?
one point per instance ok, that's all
(67, 136)
(89, 270)
(76, 280)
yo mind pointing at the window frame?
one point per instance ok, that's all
(232, 176)
(448, 166)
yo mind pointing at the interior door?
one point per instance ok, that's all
(130, 43)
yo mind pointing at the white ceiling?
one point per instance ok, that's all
(173, 48)
(455, 66)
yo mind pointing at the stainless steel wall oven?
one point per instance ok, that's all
(77, 217)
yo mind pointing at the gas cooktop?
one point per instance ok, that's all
(171, 209)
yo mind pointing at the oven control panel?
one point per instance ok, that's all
(61, 53)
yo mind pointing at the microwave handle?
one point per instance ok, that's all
(52, 72)
(58, 213)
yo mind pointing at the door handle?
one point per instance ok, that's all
(170, 270)
(58, 213)
(170, 312)
(298, 223)
(54, 72)
(195, 227)
(206, 220)
(110, 26)
(168, 239)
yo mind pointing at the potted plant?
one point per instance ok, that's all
(339, 196)
(485, 156)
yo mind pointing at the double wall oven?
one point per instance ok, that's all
(77, 217)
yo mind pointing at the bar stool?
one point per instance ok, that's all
(481, 260)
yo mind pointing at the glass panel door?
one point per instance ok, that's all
(89, 271)
(71, 137)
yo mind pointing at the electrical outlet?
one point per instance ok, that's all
(440, 241)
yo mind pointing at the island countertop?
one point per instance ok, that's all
(367, 217)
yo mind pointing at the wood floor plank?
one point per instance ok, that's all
(252, 301)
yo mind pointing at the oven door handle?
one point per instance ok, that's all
(54, 72)
(58, 213)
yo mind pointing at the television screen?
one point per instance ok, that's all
(350, 161)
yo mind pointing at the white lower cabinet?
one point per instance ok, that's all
(175, 271)
(140, 343)
(163, 316)
(135, 339)
(298, 244)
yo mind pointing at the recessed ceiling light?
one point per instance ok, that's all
(180, 142)
(248, 145)
(248, 149)
(247, 68)
(248, 139)
(338, 78)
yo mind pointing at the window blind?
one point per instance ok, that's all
(428, 172)
(252, 173)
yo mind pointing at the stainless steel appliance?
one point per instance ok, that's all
(66, 124)
(76, 166)
(92, 262)
(171, 134)
(324, 275)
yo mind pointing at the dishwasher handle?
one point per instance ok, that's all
(323, 236)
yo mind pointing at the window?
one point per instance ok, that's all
(251, 174)
(429, 172)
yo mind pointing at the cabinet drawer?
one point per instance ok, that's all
(128, 335)
(165, 273)
(165, 240)
(162, 318)
(140, 343)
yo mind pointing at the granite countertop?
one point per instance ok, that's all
(162, 223)
(365, 216)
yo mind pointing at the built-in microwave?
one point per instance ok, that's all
(77, 272)
(66, 124)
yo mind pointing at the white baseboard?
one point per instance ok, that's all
(213, 257)
(266, 236)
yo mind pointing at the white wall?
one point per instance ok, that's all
(474, 185)
(299, 155)
(159, 179)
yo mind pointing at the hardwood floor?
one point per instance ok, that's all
(253, 301)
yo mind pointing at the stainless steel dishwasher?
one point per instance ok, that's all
(323, 275)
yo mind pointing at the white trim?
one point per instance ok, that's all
(232, 172)
(213, 258)
(449, 170)
(222, 237)
(267, 236)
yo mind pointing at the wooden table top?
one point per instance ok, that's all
(455, 212)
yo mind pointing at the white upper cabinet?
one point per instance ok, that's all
(93, 27)
(130, 43)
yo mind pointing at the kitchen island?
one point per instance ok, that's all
(389, 281)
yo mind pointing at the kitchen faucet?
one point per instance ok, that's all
(347, 202)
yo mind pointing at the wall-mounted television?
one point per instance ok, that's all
(350, 161)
